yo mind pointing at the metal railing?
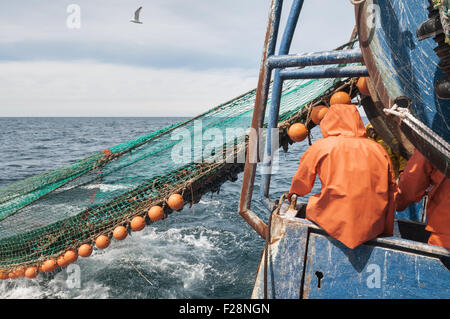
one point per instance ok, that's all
(284, 66)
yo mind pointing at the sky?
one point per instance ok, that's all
(187, 57)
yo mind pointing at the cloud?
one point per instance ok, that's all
(184, 33)
(176, 33)
(86, 88)
(188, 56)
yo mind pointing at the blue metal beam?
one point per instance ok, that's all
(332, 72)
(277, 64)
(277, 86)
(317, 58)
(259, 112)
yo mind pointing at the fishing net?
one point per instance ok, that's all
(43, 216)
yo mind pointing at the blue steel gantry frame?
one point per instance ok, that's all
(282, 65)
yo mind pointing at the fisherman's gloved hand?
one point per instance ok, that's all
(289, 196)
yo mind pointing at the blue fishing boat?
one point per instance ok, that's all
(304, 262)
(403, 72)
(47, 220)
(300, 259)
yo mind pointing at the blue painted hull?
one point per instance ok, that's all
(301, 260)
(304, 262)
(401, 65)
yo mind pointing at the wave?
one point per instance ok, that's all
(106, 187)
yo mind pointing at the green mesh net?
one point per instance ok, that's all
(43, 216)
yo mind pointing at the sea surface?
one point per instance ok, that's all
(207, 251)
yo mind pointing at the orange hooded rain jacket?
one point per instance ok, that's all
(418, 177)
(356, 202)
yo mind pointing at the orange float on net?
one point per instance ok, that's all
(120, 233)
(3, 275)
(85, 250)
(102, 241)
(137, 223)
(107, 152)
(362, 86)
(318, 113)
(31, 272)
(70, 256)
(175, 201)
(12, 275)
(19, 272)
(340, 98)
(49, 265)
(156, 213)
(298, 132)
(61, 261)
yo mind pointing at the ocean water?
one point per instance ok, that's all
(207, 251)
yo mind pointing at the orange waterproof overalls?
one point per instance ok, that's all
(419, 175)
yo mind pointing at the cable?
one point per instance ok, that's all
(420, 129)
(137, 270)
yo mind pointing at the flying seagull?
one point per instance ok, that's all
(136, 16)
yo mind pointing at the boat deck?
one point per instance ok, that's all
(304, 262)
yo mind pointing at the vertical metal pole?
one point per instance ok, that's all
(262, 92)
(276, 99)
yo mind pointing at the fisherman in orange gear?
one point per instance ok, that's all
(356, 202)
(417, 178)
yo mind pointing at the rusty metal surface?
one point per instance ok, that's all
(255, 222)
(285, 266)
(258, 121)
